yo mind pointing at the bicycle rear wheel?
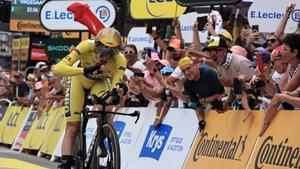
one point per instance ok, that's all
(77, 153)
(106, 153)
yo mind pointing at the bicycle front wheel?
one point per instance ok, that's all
(106, 153)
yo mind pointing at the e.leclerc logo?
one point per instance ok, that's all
(119, 126)
(154, 7)
(295, 15)
(155, 141)
(103, 12)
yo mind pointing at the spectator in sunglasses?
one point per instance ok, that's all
(272, 42)
(133, 63)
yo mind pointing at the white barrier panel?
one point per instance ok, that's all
(169, 145)
(129, 132)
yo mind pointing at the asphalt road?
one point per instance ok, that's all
(12, 159)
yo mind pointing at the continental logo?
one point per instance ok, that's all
(146, 9)
(217, 148)
(277, 154)
(26, 26)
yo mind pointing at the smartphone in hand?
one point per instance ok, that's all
(255, 28)
(138, 74)
(201, 22)
(260, 63)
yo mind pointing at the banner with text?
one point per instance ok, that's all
(279, 147)
(12, 123)
(227, 142)
(39, 130)
(167, 146)
(54, 133)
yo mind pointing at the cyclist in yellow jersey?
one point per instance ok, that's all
(99, 57)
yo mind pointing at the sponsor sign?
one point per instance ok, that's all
(38, 46)
(40, 128)
(59, 47)
(20, 48)
(55, 17)
(11, 124)
(155, 9)
(167, 146)
(57, 127)
(21, 137)
(279, 147)
(2, 112)
(139, 37)
(227, 142)
(25, 16)
(268, 17)
(186, 22)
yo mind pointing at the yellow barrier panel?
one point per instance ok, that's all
(39, 130)
(17, 164)
(4, 121)
(279, 147)
(227, 142)
(12, 123)
(49, 144)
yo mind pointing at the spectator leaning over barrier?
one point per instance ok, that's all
(22, 87)
(28, 100)
(166, 99)
(290, 51)
(202, 86)
(230, 66)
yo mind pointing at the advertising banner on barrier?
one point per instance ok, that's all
(21, 137)
(12, 124)
(227, 142)
(268, 14)
(129, 132)
(54, 132)
(167, 146)
(279, 147)
(2, 112)
(39, 130)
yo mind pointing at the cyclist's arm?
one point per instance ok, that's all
(119, 69)
(65, 66)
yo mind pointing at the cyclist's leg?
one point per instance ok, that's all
(74, 100)
(99, 88)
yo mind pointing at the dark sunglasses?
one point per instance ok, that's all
(271, 40)
(98, 44)
(171, 49)
(128, 52)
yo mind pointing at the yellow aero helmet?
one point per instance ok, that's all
(109, 37)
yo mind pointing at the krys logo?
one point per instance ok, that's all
(155, 141)
(103, 12)
(279, 155)
(217, 148)
(154, 7)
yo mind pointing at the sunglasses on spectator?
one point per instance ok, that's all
(271, 40)
(171, 49)
(128, 52)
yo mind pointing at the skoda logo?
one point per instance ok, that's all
(295, 15)
(103, 13)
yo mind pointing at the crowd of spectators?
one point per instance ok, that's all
(233, 69)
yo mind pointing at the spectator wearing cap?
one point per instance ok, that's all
(202, 86)
(174, 51)
(230, 66)
(278, 66)
(166, 99)
(37, 69)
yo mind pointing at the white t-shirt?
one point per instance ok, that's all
(277, 77)
(137, 65)
(177, 73)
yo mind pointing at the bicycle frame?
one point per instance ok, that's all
(86, 114)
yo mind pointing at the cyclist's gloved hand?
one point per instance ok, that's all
(90, 70)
